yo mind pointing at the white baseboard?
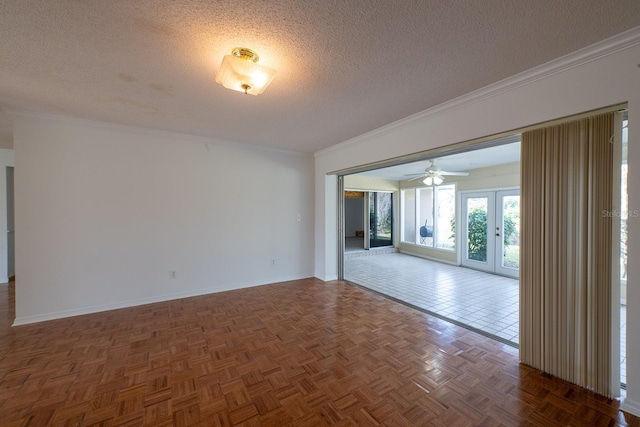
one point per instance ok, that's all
(430, 258)
(25, 320)
(631, 407)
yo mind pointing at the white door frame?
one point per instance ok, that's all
(495, 239)
(488, 264)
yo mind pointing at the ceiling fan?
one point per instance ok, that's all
(433, 175)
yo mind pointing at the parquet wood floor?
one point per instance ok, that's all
(302, 353)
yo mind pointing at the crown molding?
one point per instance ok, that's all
(594, 52)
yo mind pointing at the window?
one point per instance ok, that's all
(428, 216)
(624, 205)
(408, 208)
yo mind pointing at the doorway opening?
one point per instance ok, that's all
(368, 220)
(444, 292)
(11, 273)
(354, 221)
(413, 210)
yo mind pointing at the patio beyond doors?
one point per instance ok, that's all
(490, 231)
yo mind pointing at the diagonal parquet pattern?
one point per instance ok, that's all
(302, 353)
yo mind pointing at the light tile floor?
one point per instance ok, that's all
(352, 244)
(481, 301)
(477, 300)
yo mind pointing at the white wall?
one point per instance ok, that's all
(369, 183)
(6, 159)
(353, 216)
(103, 213)
(606, 74)
(502, 176)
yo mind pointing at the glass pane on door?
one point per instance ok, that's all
(380, 219)
(446, 214)
(477, 230)
(510, 256)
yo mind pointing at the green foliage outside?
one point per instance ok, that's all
(381, 221)
(477, 237)
(512, 256)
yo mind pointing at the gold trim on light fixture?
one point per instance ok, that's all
(240, 71)
(244, 53)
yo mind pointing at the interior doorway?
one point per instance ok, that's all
(491, 171)
(10, 226)
(368, 220)
(354, 221)
(490, 234)
(423, 269)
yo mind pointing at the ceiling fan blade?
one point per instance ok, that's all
(413, 174)
(454, 173)
(417, 177)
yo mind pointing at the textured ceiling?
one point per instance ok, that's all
(344, 67)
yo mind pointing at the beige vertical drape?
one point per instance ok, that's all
(565, 265)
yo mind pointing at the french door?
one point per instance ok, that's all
(490, 232)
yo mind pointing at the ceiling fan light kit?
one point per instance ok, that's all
(433, 175)
(433, 180)
(240, 71)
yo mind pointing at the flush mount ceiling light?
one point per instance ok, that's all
(240, 71)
